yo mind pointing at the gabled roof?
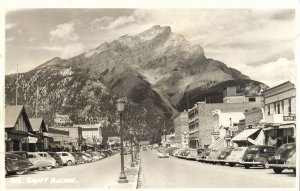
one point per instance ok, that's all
(12, 113)
(38, 123)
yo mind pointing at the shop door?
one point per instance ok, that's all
(16, 145)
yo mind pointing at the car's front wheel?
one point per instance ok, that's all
(40, 168)
(48, 167)
(247, 166)
(69, 163)
(266, 165)
(20, 172)
(277, 170)
(231, 164)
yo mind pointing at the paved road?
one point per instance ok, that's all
(179, 173)
(99, 174)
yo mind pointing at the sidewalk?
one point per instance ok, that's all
(132, 174)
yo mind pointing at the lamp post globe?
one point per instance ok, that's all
(120, 104)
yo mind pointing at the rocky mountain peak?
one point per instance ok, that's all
(153, 32)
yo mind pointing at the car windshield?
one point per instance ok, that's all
(252, 150)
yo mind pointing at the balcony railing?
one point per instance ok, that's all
(280, 118)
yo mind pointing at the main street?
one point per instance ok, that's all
(180, 173)
(99, 174)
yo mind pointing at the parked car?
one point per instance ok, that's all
(203, 156)
(184, 154)
(67, 158)
(162, 155)
(177, 152)
(224, 153)
(236, 156)
(46, 155)
(57, 158)
(87, 157)
(78, 158)
(212, 157)
(10, 168)
(284, 154)
(18, 164)
(257, 155)
(194, 155)
(40, 162)
(21, 153)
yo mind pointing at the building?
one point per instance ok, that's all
(18, 129)
(60, 139)
(201, 121)
(230, 95)
(181, 129)
(75, 134)
(280, 114)
(92, 135)
(39, 128)
(225, 127)
(113, 142)
(144, 143)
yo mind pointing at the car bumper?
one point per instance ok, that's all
(285, 166)
(251, 163)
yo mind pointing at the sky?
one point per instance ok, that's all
(258, 42)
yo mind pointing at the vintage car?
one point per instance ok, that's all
(257, 155)
(78, 158)
(194, 154)
(236, 156)
(10, 168)
(87, 157)
(283, 158)
(224, 153)
(22, 164)
(203, 156)
(212, 157)
(57, 158)
(67, 158)
(162, 155)
(48, 156)
(40, 162)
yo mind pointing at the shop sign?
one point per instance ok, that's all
(233, 128)
(289, 118)
(29, 140)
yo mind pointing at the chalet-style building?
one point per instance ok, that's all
(40, 130)
(18, 129)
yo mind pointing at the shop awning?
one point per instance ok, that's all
(286, 126)
(243, 136)
(52, 145)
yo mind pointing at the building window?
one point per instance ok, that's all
(290, 106)
(282, 106)
(278, 107)
(274, 105)
(269, 109)
(252, 99)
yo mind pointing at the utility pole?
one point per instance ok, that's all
(36, 102)
(17, 84)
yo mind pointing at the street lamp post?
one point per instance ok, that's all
(131, 134)
(120, 108)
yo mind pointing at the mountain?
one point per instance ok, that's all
(157, 69)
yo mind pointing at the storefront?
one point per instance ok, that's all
(18, 130)
(40, 131)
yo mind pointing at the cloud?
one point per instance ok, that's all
(9, 26)
(65, 32)
(72, 50)
(273, 73)
(105, 23)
